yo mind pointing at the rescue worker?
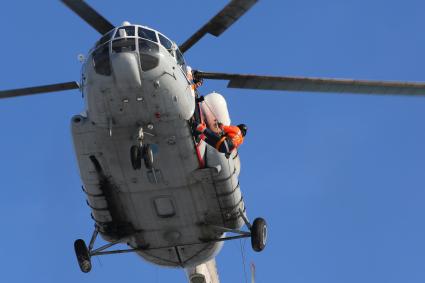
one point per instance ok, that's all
(230, 139)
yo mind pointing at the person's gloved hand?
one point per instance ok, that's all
(201, 127)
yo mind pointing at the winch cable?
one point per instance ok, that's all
(243, 256)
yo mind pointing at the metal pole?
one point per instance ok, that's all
(93, 239)
(245, 219)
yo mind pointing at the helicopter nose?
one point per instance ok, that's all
(126, 70)
(127, 58)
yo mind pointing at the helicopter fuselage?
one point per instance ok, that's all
(133, 82)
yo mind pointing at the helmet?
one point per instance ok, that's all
(243, 129)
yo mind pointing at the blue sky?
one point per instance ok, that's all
(340, 179)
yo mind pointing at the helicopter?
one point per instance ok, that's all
(110, 111)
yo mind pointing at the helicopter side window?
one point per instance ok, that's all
(125, 31)
(166, 43)
(105, 38)
(147, 34)
(148, 52)
(101, 63)
(180, 59)
(124, 45)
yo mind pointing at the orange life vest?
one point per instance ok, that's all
(234, 134)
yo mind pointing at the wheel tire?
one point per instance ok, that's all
(259, 234)
(83, 255)
(136, 157)
(147, 155)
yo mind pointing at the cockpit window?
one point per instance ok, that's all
(148, 52)
(147, 34)
(165, 41)
(105, 38)
(146, 46)
(124, 45)
(125, 31)
(180, 59)
(101, 63)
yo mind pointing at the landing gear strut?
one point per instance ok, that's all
(257, 233)
(84, 254)
(140, 152)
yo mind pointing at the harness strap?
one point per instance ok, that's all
(220, 142)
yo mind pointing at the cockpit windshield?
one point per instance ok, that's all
(105, 38)
(165, 42)
(180, 58)
(131, 38)
(173, 49)
(147, 34)
(124, 45)
(125, 31)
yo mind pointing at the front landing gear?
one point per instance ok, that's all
(140, 152)
(136, 157)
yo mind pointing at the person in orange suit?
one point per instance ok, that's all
(229, 140)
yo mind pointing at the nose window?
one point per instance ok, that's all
(147, 34)
(101, 62)
(165, 42)
(124, 45)
(125, 31)
(138, 39)
(148, 52)
(105, 38)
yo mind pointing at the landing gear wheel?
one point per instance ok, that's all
(147, 155)
(136, 157)
(83, 255)
(259, 234)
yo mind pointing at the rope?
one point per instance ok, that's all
(99, 261)
(243, 259)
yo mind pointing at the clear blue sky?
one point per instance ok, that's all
(340, 179)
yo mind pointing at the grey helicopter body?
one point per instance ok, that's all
(150, 180)
(130, 83)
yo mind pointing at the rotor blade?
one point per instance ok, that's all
(88, 14)
(222, 21)
(39, 89)
(316, 84)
